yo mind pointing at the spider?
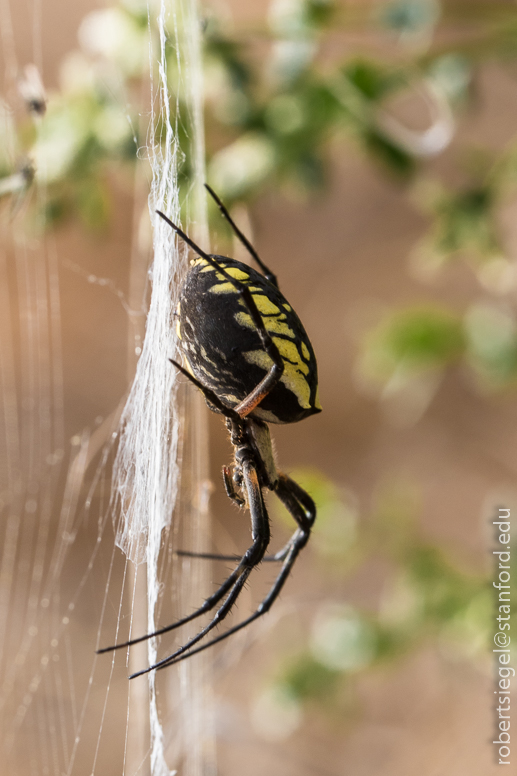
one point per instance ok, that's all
(247, 351)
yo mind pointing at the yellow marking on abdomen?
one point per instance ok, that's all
(265, 305)
(207, 267)
(289, 351)
(234, 272)
(223, 288)
(205, 356)
(188, 366)
(317, 399)
(293, 380)
(237, 273)
(230, 398)
(273, 325)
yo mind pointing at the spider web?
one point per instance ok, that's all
(64, 710)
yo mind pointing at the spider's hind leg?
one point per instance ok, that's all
(231, 587)
(291, 552)
(251, 558)
(297, 501)
(302, 508)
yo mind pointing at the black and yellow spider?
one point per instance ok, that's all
(247, 351)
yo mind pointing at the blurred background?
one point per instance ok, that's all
(369, 151)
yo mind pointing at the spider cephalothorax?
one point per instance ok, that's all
(247, 351)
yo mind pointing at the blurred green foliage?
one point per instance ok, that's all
(413, 340)
(417, 340)
(268, 121)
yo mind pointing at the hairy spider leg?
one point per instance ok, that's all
(303, 510)
(230, 488)
(292, 496)
(251, 559)
(218, 556)
(242, 237)
(276, 371)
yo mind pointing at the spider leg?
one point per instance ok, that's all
(240, 501)
(217, 556)
(244, 240)
(302, 508)
(229, 486)
(260, 392)
(298, 542)
(252, 557)
(206, 606)
(208, 394)
(219, 617)
(299, 505)
(297, 502)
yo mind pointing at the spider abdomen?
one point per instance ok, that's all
(224, 350)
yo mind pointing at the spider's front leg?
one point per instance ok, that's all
(233, 477)
(233, 484)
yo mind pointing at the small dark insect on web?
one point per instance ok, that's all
(249, 354)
